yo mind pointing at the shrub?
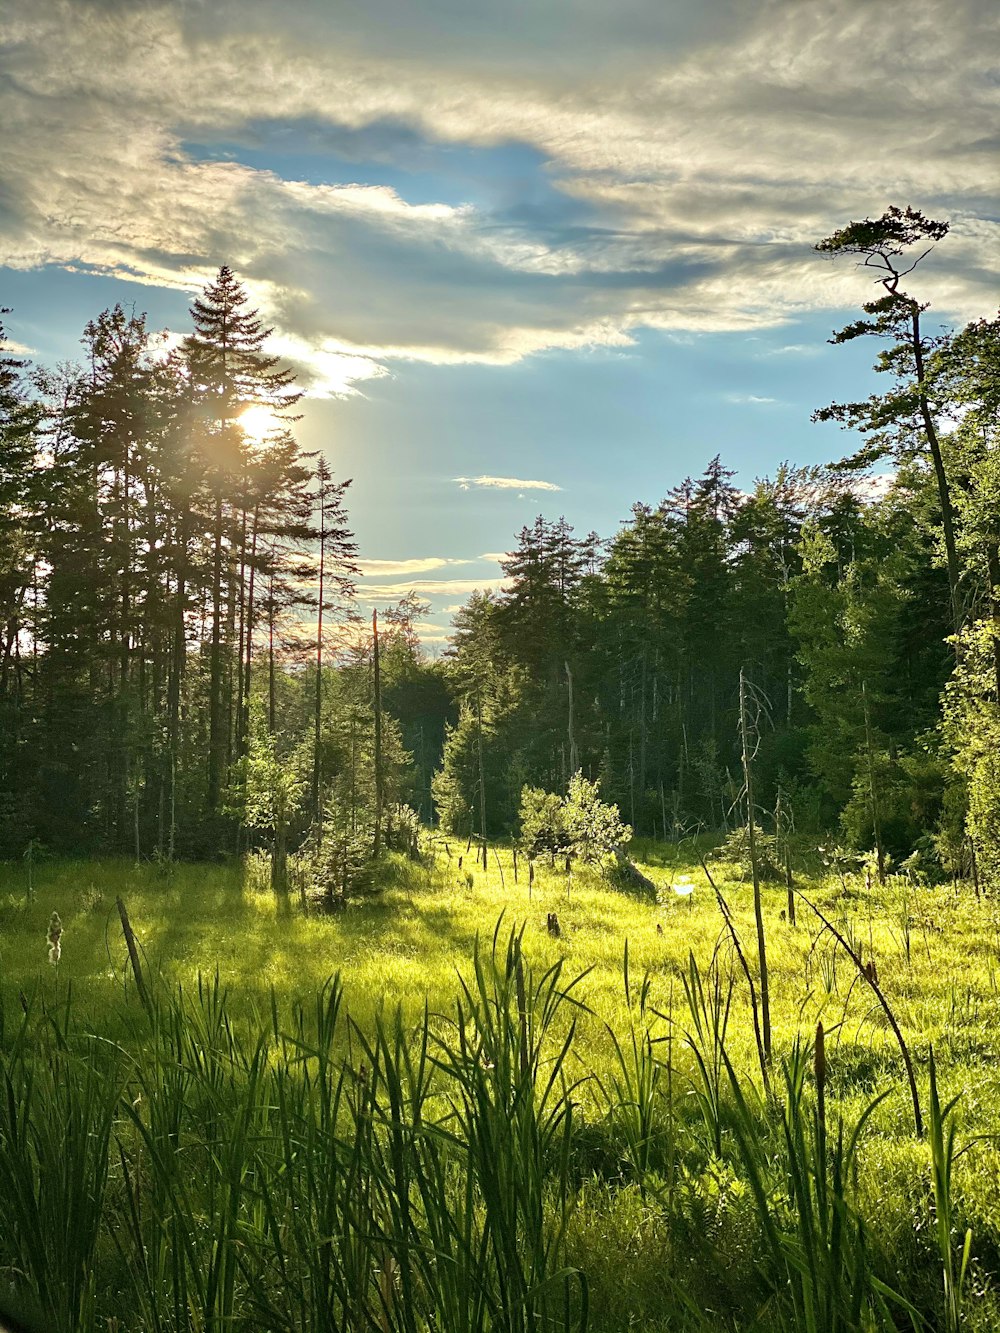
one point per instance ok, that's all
(403, 831)
(579, 823)
(543, 823)
(343, 868)
(736, 849)
(594, 829)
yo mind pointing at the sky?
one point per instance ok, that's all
(547, 256)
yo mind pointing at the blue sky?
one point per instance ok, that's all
(563, 243)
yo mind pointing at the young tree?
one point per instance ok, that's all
(337, 570)
(271, 790)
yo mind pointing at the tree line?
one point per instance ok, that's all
(865, 623)
(184, 672)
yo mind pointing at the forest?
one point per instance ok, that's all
(186, 673)
(534, 985)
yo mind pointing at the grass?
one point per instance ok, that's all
(576, 1123)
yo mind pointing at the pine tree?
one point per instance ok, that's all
(230, 372)
(904, 421)
(21, 517)
(337, 557)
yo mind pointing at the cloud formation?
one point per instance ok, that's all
(418, 565)
(379, 592)
(504, 484)
(639, 166)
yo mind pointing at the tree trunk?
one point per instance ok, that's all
(377, 848)
(993, 564)
(765, 996)
(216, 740)
(944, 492)
(318, 703)
(876, 822)
(574, 757)
(482, 766)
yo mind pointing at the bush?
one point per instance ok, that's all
(909, 795)
(403, 831)
(342, 867)
(579, 824)
(736, 849)
(594, 829)
(543, 823)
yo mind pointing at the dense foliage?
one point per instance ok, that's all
(180, 673)
(864, 610)
(182, 670)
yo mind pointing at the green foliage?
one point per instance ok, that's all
(735, 850)
(341, 868)
(404, 831)
(578, 824)
(594, 828)
(270, 791)
(909, 793)
(543, 822)
(972, 719)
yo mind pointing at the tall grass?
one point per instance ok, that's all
(58, 1099)
(298, 1170)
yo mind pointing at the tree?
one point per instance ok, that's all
(542, 823)
(21, 518)
(579, 823)
(230, 373)
(594, 828)
(337, 568)
(903, 421)
(271, 791)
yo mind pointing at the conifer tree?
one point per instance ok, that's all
(902, 422)
(230, 372)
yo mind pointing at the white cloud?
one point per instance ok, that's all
(505, 484)
(668, 197)
(756, 399)
(15, 348)
(792, 349)
(370, 592)
(417, 565)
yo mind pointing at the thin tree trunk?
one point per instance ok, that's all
(245, 666)
(272, 702)
(178, 659)
(574, 758)
(482, 765)
(993, 564)
(876, 822)
(318, 704)
(377, 848)
(944, 492)
(765, 996)
(642, 725)
(215, 738)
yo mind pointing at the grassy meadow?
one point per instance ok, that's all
(532, 1131)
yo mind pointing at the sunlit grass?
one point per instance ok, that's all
(937, 951)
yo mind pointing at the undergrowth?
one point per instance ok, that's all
(556, 1133)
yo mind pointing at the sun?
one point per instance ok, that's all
(258, 422)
